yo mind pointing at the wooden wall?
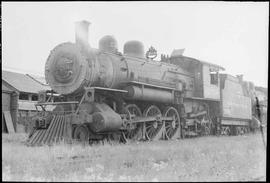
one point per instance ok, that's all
(9, 103)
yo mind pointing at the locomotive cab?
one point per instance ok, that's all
(211, 81)
(205, 76)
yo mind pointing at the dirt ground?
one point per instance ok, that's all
(234, 158)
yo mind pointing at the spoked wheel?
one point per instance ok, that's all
(172, 127)
(153, 128)
(134, 131)
(81, 134)
(225, 130)
(205, 126)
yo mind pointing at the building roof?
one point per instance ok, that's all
(39, 79)
(22, 82)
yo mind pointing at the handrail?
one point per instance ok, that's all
(56, 103)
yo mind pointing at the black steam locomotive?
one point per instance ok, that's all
(106, 94)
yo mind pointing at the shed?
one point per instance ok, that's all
(19, 94)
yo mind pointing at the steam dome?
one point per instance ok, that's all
(134, 48)
(108, 44)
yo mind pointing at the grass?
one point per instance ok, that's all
(236, 158)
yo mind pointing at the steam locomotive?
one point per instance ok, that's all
(106, 94)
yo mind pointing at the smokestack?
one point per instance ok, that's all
(81, 33)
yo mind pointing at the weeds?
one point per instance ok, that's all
(199, 159)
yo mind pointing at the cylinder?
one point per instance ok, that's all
(149, 94)
(105, 121)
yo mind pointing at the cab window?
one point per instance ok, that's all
(214, 78)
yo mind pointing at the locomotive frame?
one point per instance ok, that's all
(122, 97)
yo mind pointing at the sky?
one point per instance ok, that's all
(231, 34)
